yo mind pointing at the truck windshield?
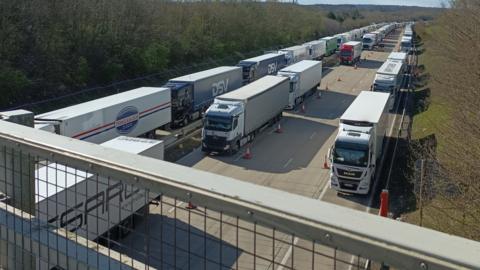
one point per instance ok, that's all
(345, 53)
(351, 154)
(218, 123)
(367, 40)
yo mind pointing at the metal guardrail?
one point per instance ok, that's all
(245, 226)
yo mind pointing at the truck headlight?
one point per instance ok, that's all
(226, 147)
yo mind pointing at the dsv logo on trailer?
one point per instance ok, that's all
(127, 119)
(271, 68)
(219, 87)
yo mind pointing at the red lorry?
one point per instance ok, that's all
(350, 52)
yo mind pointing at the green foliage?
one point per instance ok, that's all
(69, 45)
(155, 57)
(12, 82)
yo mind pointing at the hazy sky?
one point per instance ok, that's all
(425, 3)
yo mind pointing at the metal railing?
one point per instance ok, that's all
(69, 204)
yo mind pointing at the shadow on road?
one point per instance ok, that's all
(165, 243)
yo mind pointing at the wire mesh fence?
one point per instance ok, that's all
(146, 229)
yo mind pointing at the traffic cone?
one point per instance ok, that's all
(279, 128)
(303, 107)
(384, 203)
(325, 163)
(191, 206)
(338, 79)
(247, 154)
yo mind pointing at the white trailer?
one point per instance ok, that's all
(131, 113)
(235, 118)
(355, 155)
(398, 56)
(316, 49)
(389, 79)
(88, 204)
(305, 77)
(295, 54)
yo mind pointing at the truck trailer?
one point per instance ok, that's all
(350, 52)
(331, 45)
(91, 205)
(131, 113)
(305, 77)
(316, 49)
(295, 54)
(235, 118)
(193, 93)
(369, 41)
(257, 67)
(389, 79)
(357, 150)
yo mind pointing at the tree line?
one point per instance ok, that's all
(51, 48)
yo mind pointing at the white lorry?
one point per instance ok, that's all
(295, 54)
(92, 205)
(316, 49)
(369, 41)
(235, 118)
(131, 113)
(305, 77)
(358, 147)
(389, 79)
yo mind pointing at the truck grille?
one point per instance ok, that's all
(215, 141)
(355, 174)
(348, 184)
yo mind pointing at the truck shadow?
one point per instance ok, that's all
(369, 63)
(165, 243)
(330, 106)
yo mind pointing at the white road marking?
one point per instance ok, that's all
(288, 254)
(288, 162)
(173, 208)
(313, 135)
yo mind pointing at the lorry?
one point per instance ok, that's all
(131, 113)
(305, 77)
(369, 41)
(406, 44)
(389, 79)
(350, 52)
(257, 67)
(88, 204)
(235, 118)
(358, 146)
(331, 45)
(193, 93)
(399, 57)
(342, 38)
(316, 49)
(295, 54)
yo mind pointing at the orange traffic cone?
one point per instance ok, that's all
(338, 79)
(325, 163)
(247, 154)
(279, 128)
(383, 203)
(190, 205)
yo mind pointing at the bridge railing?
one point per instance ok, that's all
(68, 204)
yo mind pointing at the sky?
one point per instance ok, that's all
(423, 3)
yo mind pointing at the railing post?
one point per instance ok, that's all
(17, 183)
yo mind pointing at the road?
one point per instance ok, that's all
(292, 161)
